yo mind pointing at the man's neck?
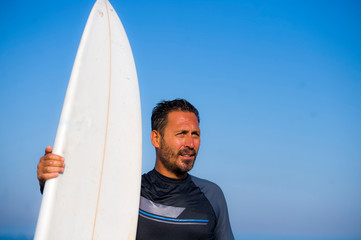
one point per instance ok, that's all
(165, 172)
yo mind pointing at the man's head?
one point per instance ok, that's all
(162, 109)
(176, 137)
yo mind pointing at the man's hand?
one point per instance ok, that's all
(50, 165)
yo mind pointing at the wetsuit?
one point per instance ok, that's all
(189, 208)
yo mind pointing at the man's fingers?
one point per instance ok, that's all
(53, 161)
(45, 170)
(50, 165)
(47, 176)
(47, 173)
(52, 170)
(48, 149)
(51, 156)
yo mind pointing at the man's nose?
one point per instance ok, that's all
(189, 141)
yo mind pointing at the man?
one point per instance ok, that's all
(173, 204)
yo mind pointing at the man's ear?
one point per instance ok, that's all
(155, 137)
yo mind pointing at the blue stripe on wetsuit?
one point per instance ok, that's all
(173, 219)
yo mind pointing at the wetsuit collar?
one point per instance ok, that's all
(171, 180)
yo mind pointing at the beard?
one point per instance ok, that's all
(171, 162)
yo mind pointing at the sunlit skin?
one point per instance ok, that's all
(177, 149)
(50, 165)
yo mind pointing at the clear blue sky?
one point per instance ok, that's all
(277, 84)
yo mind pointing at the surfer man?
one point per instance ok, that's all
(173, 204)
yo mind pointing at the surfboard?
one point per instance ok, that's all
(99, 135)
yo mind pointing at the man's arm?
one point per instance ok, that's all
(50, 165)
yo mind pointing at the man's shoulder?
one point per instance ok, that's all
(206, 185)
(213, 193)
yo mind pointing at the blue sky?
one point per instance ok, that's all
(277, 84)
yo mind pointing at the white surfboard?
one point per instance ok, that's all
(99, 135)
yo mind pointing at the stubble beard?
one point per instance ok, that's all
(166, 155)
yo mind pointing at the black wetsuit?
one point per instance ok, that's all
(190, 208)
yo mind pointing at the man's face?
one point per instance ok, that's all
(180, 142)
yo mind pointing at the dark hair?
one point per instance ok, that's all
(162, 109)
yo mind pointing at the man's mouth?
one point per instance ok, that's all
(187, 154)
